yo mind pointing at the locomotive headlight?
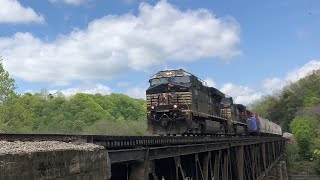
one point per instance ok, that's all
(152, 107)
(175, 106)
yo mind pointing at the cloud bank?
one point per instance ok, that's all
(97, 88)
(246, 95)
(241, 94)
(12, 11)
(112, 45)
(210, 82)
(276, 83)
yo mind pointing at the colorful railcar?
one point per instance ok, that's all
(258, 125)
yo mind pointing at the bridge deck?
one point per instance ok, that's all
(179, 157)
(129, 142)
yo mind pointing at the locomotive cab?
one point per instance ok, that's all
(235, 114)
(179, 102)
(169, 101)
(228, 110)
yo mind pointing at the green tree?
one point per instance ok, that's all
(7, 84)
(82, 113)
(304, 133)
(15, 117)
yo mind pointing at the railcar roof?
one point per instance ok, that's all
(216, 91)
(175, 73)
(241, 106)
(170, 73)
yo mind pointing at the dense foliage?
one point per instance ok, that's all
(114, 114)
(7, 84)
(297, 108)
(82, 113)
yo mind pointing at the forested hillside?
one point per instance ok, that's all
(297, 108)
(114, 114)
(82, 113)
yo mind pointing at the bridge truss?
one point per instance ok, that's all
(180, 157)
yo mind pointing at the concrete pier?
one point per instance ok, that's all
(53, 160)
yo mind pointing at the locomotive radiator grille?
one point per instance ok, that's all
(226, 113)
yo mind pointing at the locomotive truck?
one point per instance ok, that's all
(178, 102)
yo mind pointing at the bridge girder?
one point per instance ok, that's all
(247, 160)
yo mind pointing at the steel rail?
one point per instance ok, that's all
(131, 142)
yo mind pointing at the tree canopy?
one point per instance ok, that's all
(81, 113)
(7, 84)
(283, 106)
(115, 114)
(297, 108)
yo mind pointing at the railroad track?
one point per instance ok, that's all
(131, 142)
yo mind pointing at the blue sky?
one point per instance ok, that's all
(245, 48)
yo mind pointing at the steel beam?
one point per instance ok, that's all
(217, 165)
(225, 173)
(140, 170)
(240, 160)
(240, 163)
(206, 160)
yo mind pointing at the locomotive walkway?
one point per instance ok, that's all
(140, 157)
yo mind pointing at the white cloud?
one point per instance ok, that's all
(70, 2)
(302, 72)
(97, 88)
(241, 94)
(293, 76)
(112, 45)
(245, 95)
(136, 92)
(11, 11)
(273, 84)
(210, 82)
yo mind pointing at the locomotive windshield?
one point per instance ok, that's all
(226, 101)
(158, 81)
(181, 80)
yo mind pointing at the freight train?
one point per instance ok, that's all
(180, 103)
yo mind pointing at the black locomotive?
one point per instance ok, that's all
(180, 103)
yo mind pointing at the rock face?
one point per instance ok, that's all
(53, 160)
